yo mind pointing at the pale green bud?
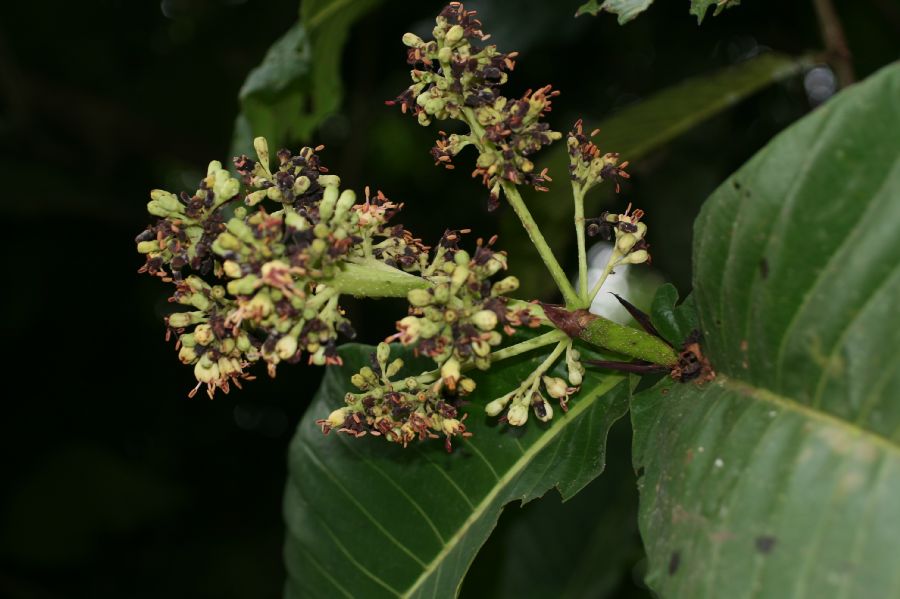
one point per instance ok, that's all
(505, 285)
(273, 193)
(486, 320)
(231, 269)
(262, 152)
(496, 406)
(556, 387)
(445, 54)
(466, 386)
(625, 242)
(636, 257)
(180, 320)
(394, 367)
(243, 286)
(419, 297)
(454, 34)
(450, 373)
(412, 40)
(206, 370)
(147, 247)
(517, 414)
(295, 221)
(301, 184)
(382, 352)
(187, 355)
(286, 347)
(256, 197)
(166, 200)
(203, 334)
(359, 381)
(329, 180)
(543, 411)
(337, 417)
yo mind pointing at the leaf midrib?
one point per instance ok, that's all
(782, 401)
(507, 478)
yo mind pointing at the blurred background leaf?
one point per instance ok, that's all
(629, 9)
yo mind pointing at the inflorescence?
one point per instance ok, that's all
(260, 261)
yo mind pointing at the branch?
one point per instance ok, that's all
(837, 52)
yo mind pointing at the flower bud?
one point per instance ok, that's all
(466, 385)
(262, 152)
(496, 406)
(419, 297)
(454, 34)
(543, 411)
(409, 328)
(359, 381)
(451, 426)
(146, 247)
(179, 320)
(329, 181)
(286, 347)
(556, 387)
(517, 414)
(625, 242)
(444, 55)
(450, 373)
(166, 200)
(301, 184)
(486, 320)
(206, 370)
(636, 257)
(187, 355)
(505, 285)
(254, 198)
(231, 269)
(394, 367)
(203, 334)
(337, 417)
(412, 40)
(382, 352)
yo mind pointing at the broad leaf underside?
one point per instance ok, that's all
(366, 518)
(782, 477)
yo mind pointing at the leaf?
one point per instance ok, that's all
(781, 477)
(367, 518)
(625, 9)
(673, 322)
(629, 9)
(584, 547)
(699, 7)
(634, 132)
(298, 83)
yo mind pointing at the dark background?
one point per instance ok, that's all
(115, 484)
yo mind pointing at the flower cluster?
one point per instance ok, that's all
(629, 234)
(261, 283)
(587, 166)
(456, 78)
(459, 318)
(400, 411)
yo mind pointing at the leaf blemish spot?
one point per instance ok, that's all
(674, 562)
(765, 544)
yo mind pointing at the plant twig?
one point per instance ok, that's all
(578, 195)
(836, 50)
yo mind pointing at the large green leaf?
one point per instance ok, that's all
(585, 547)
(634, 132)
(781, 477)
(366, 518)
(629, 9)
(298, 84)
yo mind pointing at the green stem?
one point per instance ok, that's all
(578, 195)
(612, 336)
(526, 346)
(512, 351)
(371, 278)
(540, 244)
(521, 210)
(610, 264)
